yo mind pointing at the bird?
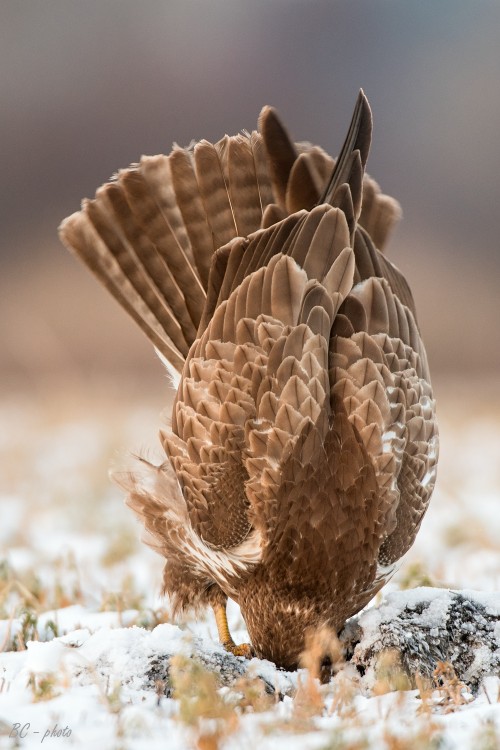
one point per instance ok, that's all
(301, 453)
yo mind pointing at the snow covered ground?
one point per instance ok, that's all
(89, 655)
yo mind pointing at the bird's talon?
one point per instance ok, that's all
(243, 649)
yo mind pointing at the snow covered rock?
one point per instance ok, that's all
(426, 626)
(142, 659)
(213, 658)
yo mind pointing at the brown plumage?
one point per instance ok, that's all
(303, 446)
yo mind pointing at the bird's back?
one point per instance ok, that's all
(303, 445)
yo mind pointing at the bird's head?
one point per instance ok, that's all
(282, 625)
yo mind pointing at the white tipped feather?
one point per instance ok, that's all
(174, 375)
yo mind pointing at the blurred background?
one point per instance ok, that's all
(87, 87)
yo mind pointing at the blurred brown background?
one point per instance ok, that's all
(86, 87)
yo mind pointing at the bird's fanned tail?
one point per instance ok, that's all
(150, 234)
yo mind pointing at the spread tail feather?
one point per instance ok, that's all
(150, 234)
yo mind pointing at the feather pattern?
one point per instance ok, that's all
(302, 451)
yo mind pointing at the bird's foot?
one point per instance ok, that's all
(242, 649)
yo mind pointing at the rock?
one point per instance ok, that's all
(426, 626)
(227, 668)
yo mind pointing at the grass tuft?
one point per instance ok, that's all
(452, 692)
(201, 705)
(390, 675)
(415, 575)
(43, 687)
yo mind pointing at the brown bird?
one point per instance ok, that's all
(303, 445)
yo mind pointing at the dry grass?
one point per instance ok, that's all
(201, 706)
(122, 544)
(416, 574)
(487, 737)
(452, 692)
(390, 674)
(43, 687)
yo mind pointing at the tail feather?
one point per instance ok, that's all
(358, 139)
(214, 193)
(308, 179)
(243, 185)
(278, 236)
(379, 213)
(110, 229)
(153, 263)
(264, 185)
(151, 234)
(301, 237)
(192, 210)
(156, 218)
(302, 190)
(157, 174)
(272, 214)
(280, 150)
(79, 234)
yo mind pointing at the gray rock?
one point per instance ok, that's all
(227, 668)
(425, 626)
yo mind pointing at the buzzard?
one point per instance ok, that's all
(302, 449)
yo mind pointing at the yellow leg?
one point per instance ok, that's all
(243, 649)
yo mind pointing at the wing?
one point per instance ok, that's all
(379, 371)
(258, 373)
